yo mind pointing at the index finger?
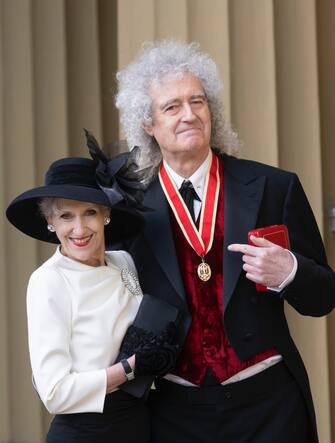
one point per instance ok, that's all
(243, 248)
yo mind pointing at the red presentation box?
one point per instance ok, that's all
(277, 234)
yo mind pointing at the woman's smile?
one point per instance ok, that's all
(81, 242)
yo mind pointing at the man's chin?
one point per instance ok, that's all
(195, 147)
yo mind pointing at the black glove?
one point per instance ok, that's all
(155, 354)
(158, 356)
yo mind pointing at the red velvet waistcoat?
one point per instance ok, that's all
(206, 344)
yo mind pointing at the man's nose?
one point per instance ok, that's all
(187, 112)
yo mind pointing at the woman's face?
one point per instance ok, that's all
(80, 229)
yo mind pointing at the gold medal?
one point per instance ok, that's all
(204, 271)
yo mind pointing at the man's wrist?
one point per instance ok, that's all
(289, 278)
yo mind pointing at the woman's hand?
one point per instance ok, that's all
(116, 376)
(159, 356)
(155, 354)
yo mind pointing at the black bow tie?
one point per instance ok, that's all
(189, 195)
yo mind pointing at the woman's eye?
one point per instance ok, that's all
(66, 216)
(91, 212)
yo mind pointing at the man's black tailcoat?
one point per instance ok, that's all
(255, 195)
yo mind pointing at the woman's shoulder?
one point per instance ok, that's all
(48, 272)
(48, 292)
(121, 259)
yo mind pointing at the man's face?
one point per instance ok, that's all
(181, 121)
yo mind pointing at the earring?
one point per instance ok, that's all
(107, 221)
(51, 228)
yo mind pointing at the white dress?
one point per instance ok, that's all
(77, 317)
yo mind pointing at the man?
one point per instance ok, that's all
(239, 377)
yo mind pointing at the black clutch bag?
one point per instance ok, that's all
(152, 318)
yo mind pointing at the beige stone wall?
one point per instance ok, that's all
(58, 60)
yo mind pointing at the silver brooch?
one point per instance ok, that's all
(131, 282)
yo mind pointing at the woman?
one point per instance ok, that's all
(80, 304)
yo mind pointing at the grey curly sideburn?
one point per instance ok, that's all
(155, 61)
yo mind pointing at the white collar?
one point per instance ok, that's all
(198, 177)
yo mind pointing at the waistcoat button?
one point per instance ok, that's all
(248, 336)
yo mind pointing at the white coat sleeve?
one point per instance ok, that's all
(49, 312)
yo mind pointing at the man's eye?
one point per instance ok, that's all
(197, 102)
(171, 108)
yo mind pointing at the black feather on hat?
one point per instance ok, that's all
(118, 177)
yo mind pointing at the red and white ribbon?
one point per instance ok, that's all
(201, 241)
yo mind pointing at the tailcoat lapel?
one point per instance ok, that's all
(159, 235)
(242, 198)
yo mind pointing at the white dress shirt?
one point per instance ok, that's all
(77, 318)
(198, 179)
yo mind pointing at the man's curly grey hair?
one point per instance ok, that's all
(154, 62)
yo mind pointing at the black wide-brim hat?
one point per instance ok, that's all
(71, 178)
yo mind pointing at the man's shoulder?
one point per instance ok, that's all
(249, 169)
